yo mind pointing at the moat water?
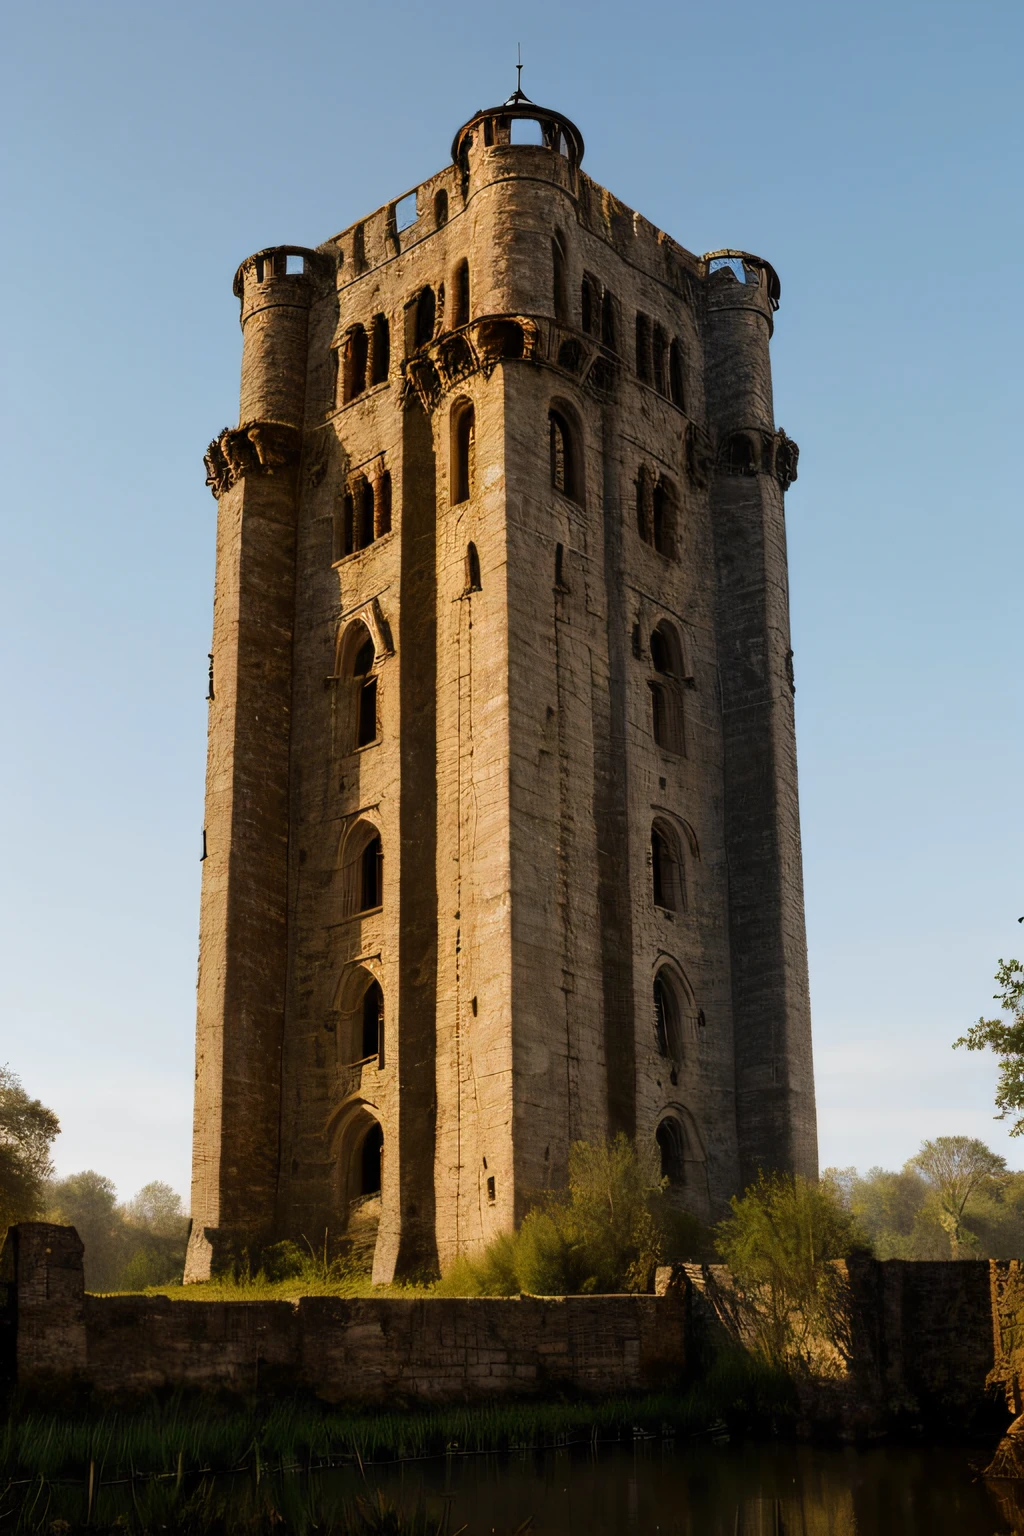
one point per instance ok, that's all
(681, 1488)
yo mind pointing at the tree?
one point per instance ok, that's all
(958, 1167)
(88, 1202)
(779, 1242)
(1006, 1040)
(27, 1131)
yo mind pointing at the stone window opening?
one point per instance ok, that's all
(380, 350)
(558, 284)
(590, 305)
(356, 355)
(491, 1191)
(373, 1023)
(366, 712)
(383, 504)
(405, 212)
(609, 328)
(365, 509)
(645, 504)
(473, 582)
(426, 314)
(440, 208)
(460, 308)
(371, 869)
(666, 697)
(526, 130)
(344, 519)
(463, 444)
(565, 466)
(664, 518)
(667, 869)
(740, 458)
(561, 585)
(644, 359)
(659, 358)
(359, 247)
(668, 1017)
(676, 375)
(371, 1161)
(671, 1140)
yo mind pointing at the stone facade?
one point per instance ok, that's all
(502, 838)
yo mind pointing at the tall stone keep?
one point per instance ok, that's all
(502, 835)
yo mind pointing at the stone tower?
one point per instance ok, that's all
(502, 835)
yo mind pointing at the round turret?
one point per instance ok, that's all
(549, 138)
(275, 288)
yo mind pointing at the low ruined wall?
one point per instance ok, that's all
(373, 1351)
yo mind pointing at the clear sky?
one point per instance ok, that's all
(870, 151)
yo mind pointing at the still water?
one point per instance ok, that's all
(703, 1490)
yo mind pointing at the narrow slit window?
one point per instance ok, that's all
(672, 1149)
(373, 1023)
(460, 314)
(426, 314)
(643, 348)
(564, 466)
(384, 503)
(380, 350)
(366, 506)
(440, 208)
(608, 331)
(372, 873)
(348, 518)
(473, 582)
(558, 280)
(463, 435)
(356, 353)
(675, 375)
(659, 354)
(560, 582)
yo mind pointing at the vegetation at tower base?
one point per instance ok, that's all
(1006, 1039)
(27, 1131)
(607, 1231)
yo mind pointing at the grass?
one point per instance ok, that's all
(351, 1283)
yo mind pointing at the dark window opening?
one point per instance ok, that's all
(473, 582)
(373, 1023)
(463, 435)
(384, 503)
(426, 313)
(643, 348)
(366, 508)
(675, 375)
(380, 350)
(590, 305)
(371, 1160)
(740, 455)
(664, 515)
(659, 354)
(665, 872)
(348, 517)
(608, 321)
(488, 132)
(661, 653)
(356, 353)
(365, 656)
(660, 715)
(367, 726)
(665, 1017)
(460, 314)
(671, 1141)
(440, 208)
(372, 869)
(560, 582)
(564, 472)
(491, 1196)
(558, 280)
(359, 247)
(643, 507)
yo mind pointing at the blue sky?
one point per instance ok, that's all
(868, 151)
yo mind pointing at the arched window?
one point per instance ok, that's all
(676, 386)
(384, 503)
(463, 434)
(608, 328)
(666, 697)
(664, 519)
(440, 208)
(473, 582)
(344, 526)
(671, 1139)
(739, 455)
(356, 353)
(460, 311)
(371, 1161)
(380, 350)
(426, 312)
(668, 1017)
(366, 705)
(366, 510)
(565, 468)
(666, 868)
(371, 889)
(559, 290)
(373, 1023)
(643, 348)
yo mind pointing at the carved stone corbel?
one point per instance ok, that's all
(256, 447)
(785, 456)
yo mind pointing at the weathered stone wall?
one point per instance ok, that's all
(382, 1352)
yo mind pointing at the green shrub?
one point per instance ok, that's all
(606, 1232)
